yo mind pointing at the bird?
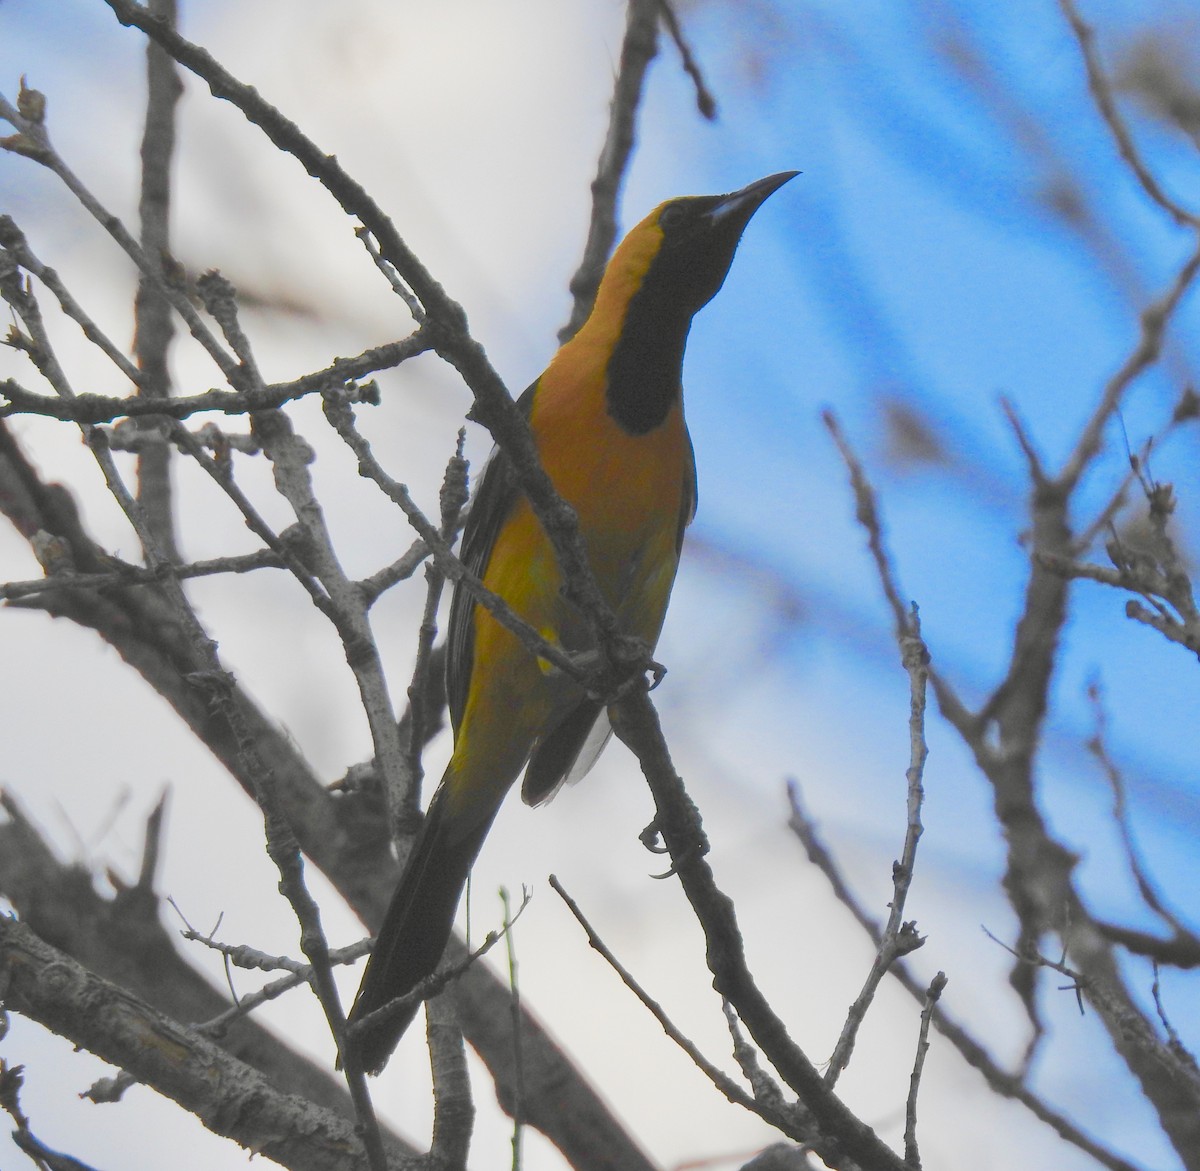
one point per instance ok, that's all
(607, 421)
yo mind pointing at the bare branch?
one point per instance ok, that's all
(1185, 941)
(406, 802)
(214, 680)
(229, 1097)
(1153, 323)
(638, 48)
(127, 575)
(726, 1085)
(43, 1158)
(1000, 1080)
(514, 984)
(342, 420)
(154, 327)
(841, 1137)
(912, 1156)
(493, 408)
(339, 375)
(867, 516)
(1038, 880)
(705, 102)
(898, 938)
(1106, 103)
(48, 157)
(399, 570)
(14, 241)
(121, 938)
(345, 836)
(453, 1109)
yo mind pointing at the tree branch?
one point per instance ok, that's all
(229, 1097)
(154, 328)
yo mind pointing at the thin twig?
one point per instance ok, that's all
(153, 325)
(868, 519)
(342, 419)
(624, 657)
(898, 937)
(1152, 327)
(824, 1121)
(1097, 745)
(282, 548)
(129, 575)
(251, 959)
(399, 570)
(705, 102)
(340, 375)
(391, 276)
(438, 981)
(14, 239)
(297, 975)
(1033, 459)
(1174, 1041)
(1000, 1080)
(729, 1088)
(45, 154)
(1106, 103)
(638, 49)
(405, 803)
(517, 1098)
(764, 1087)
(42, 1156)
(911, 1152)
(218, 686)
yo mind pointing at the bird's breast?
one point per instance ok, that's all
(621, 484)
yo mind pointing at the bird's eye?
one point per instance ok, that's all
(672, 216)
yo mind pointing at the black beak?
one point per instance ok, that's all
(738, 206)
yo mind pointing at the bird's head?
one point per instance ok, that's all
(687, 244)
(667, 268)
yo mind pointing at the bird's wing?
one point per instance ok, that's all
(691, 492)
(495, 497)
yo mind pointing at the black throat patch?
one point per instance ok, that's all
(645, 371)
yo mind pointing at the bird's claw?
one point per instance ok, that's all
(651, 838)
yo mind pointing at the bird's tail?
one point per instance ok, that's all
(416, 927)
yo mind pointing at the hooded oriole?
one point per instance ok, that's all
(607, 421)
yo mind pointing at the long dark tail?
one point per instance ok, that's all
(416, 927)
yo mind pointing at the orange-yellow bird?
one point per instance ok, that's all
(607, 420)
